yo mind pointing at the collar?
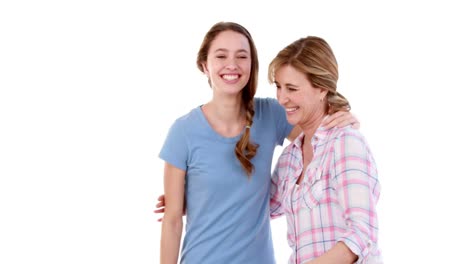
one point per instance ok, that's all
(320, 134)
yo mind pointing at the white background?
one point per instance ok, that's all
(88, 90)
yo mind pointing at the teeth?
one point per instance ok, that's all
(230, 77)
(291, 109)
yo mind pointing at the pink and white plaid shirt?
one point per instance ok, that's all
(336, 200)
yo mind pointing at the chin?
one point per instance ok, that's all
(292, 121)
(234, 89)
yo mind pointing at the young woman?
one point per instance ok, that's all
(325, 181)
(218, 160)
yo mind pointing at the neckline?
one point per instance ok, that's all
(213, 132)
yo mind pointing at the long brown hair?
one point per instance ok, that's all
(245, 149)
(314, 57)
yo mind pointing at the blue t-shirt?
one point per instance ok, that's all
(228, 217)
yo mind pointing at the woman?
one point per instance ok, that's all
(325, 181)
(218, 160)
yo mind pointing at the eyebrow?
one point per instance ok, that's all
(226, 50)
(287, 84)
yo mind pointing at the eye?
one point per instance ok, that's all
(292, 89)
(221, 56)
(242, 57)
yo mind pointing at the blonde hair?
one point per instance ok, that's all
(245, 149)
(313, 57)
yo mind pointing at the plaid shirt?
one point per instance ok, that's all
(336, 200)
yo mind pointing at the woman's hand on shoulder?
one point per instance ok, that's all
(341, 119)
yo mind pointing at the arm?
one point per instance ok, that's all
(174, 181)
(276, 194)
(358, 190)
(339, 119)
(338, 254)
(160, 207)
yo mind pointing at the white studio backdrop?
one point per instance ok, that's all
(88, 90)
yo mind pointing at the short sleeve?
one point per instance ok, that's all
(175, 149)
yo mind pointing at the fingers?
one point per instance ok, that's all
(161, 202)
(158, 211)
(160, 205)
(356, 125)
(354, 121)
(334, 120)
(332, 117)
(346, 120)
(341, 119)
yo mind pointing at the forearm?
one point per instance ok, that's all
(170, 240)
(338, 254)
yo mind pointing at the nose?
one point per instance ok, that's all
(231, 67)
(231, 64)
(281, 96)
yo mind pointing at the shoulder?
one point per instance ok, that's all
(187, 118)
(342, 133)
(266, 101)
(268, 106)
(184, 123)
(347, 139)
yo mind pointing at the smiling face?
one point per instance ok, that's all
(304, 104)
(228, 63)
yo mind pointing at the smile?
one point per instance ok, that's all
(291, 109)
(230, 77)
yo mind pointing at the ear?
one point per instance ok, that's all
(323, 93)
(205, 69)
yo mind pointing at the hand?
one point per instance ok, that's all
(160, 206)
(341, 119)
